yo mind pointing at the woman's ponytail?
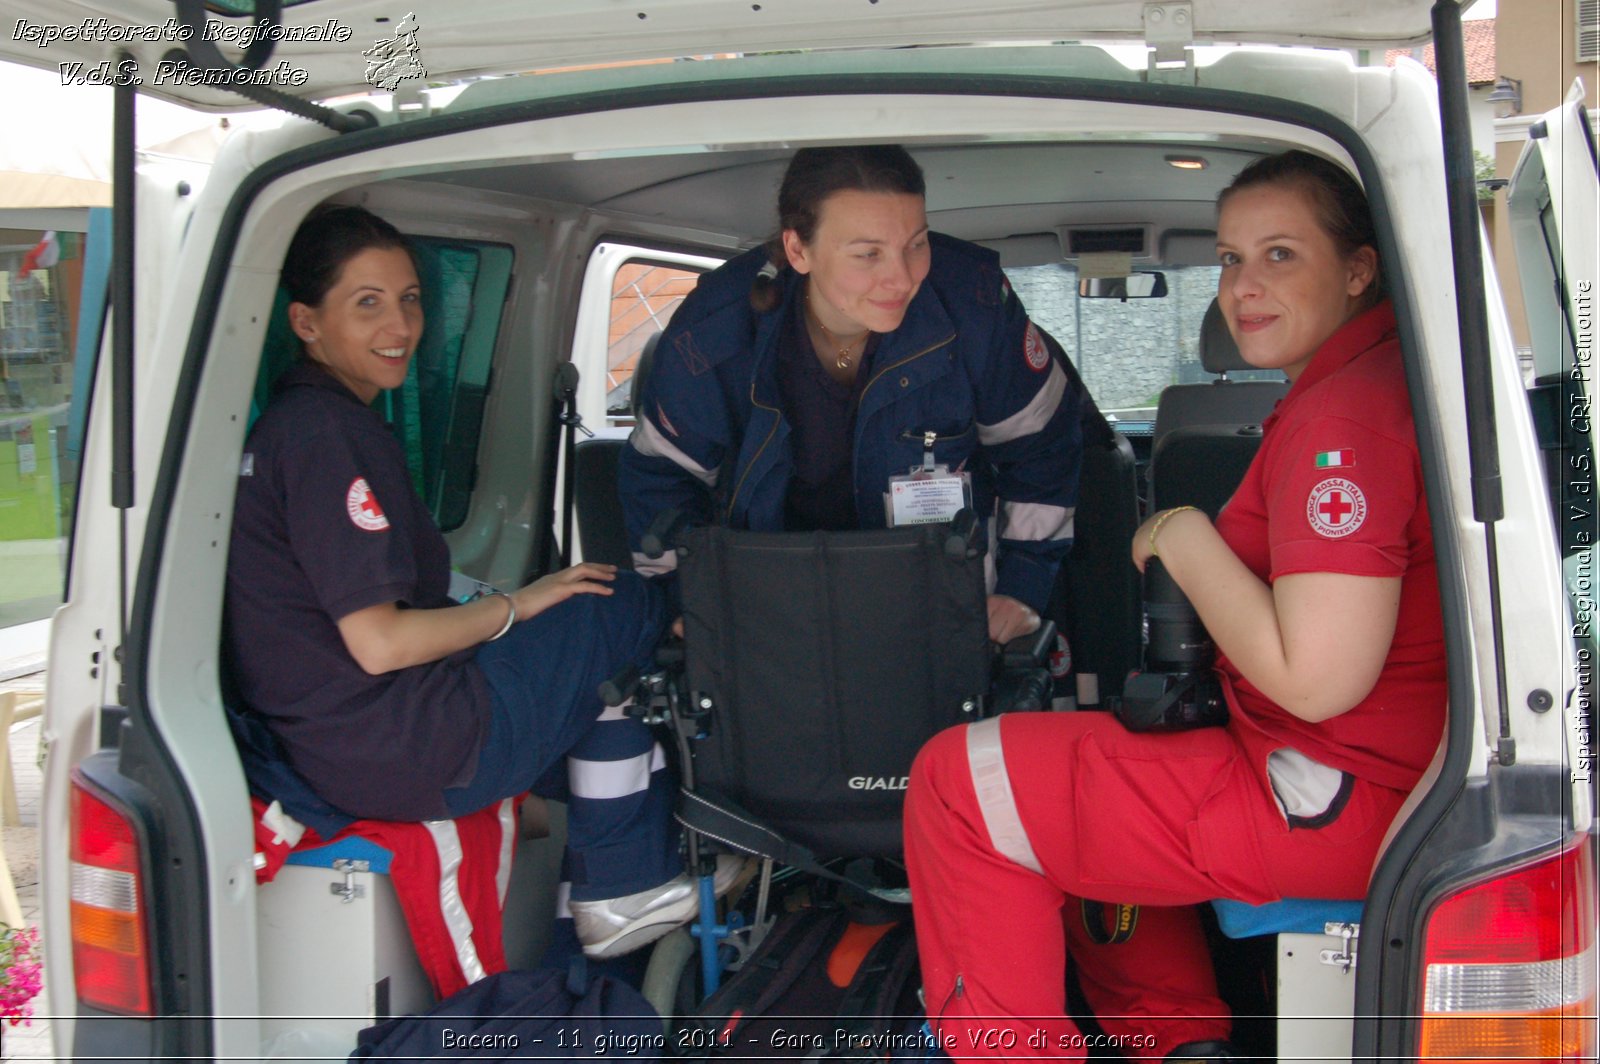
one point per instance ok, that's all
(764, 290)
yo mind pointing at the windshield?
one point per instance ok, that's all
(1127, 350)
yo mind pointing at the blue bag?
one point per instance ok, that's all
(541, 1013)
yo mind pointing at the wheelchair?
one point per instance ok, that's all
(812, 668)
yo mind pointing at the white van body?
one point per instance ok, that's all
(1020, 142)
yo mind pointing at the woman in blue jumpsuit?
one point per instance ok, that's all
(393, 701)
(799, 377)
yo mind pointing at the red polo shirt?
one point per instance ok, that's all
(1337, 488)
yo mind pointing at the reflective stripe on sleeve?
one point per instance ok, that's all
(1031, 418)
(652, 442)
(1037, 521)
(995, 800)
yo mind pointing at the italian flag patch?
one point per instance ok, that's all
(1335, 459)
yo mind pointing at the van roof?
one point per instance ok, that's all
(329, 48)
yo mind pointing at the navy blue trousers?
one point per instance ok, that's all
(549, 733)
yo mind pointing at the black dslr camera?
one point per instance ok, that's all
(1176, 690)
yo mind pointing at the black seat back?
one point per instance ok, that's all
(601, 532)
(1201, 465)
(1096, 602)
(830, 658)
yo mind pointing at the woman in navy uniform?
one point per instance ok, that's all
(798, 378)
(392, 700)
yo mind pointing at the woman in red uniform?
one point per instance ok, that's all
(1317, 583)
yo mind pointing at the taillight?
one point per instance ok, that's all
(1510, 965)
(110, 931)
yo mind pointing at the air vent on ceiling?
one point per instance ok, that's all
(1087, 240)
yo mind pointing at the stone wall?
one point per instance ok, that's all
(1125, 350)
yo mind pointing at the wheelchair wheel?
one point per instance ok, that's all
(672, 978)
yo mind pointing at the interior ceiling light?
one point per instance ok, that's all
(1186, 162)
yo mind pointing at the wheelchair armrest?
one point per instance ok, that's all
(1031, 650)
(1022, 680)
(665, 533)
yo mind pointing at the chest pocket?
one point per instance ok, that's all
(950, 444)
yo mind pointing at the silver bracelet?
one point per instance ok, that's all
(511, 615)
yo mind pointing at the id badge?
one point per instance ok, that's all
(928, 494)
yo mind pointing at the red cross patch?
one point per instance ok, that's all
(1336, 508)
(1034, 348)
(362, 505)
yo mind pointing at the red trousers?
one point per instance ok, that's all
(1163, 821)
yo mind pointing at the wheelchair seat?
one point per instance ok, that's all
(827, 660)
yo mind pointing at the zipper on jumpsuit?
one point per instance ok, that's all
(855, 455)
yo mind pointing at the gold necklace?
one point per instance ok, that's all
(844, 357)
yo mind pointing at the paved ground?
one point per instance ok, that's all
(21, 840)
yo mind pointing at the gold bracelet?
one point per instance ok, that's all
(511, 615)
(1155, 529)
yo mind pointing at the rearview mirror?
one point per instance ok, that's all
(1133, 286)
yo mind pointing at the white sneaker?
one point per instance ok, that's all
(610, 927)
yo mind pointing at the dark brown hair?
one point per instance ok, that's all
(325, 241)
(813, 175)
(1340, 205)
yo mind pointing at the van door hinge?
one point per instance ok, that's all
(349, 890)
(1169, 31)
(1344, 957)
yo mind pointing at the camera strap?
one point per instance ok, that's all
(1109, 924)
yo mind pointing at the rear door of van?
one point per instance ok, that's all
(1554, 203)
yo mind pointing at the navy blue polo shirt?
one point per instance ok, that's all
(326, 523)
(822, 419)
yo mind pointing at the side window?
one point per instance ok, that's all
(52, 288)
(438, 412)
(644, 296)
(629, 295)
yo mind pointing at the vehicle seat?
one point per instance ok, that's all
(1201, 465)
(1221, 401)
(602, 534)
(1207, 434)
(1096, 601)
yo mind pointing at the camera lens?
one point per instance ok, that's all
(1176, 641)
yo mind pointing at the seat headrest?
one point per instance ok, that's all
(1218, 352)
(641, 371)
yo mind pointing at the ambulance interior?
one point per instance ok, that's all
(588, 257)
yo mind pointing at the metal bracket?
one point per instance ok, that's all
(349, 890)
(1169, 30)
(1345, 956)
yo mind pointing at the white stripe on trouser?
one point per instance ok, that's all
(563, 900)
(998, 805)
(613, 779)
(456, 921)
(508, 841)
